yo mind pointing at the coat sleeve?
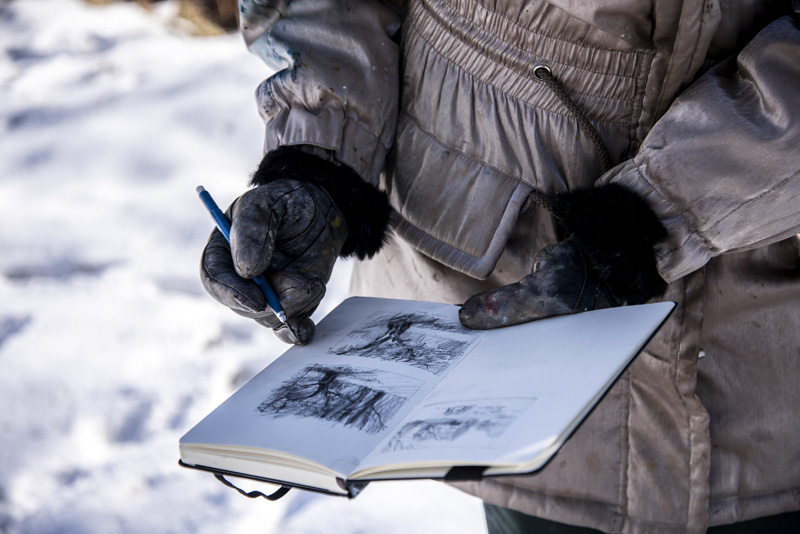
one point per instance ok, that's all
(721, 168)
(336, 83)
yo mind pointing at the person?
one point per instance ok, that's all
(528, 159)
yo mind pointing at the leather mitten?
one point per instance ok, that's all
(608, 260)
(302, 215)
(291, 231)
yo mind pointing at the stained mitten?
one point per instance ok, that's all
(302, 215)
(608, 260)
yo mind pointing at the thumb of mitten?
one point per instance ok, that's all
(559, 284)
(254, 227)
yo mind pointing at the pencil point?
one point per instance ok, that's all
(200, 189)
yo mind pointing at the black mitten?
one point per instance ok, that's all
(608, 260)
(302, 215)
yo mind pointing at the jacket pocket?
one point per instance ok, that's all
(462, 217)
(478, 131)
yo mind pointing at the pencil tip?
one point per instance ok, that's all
(200, 189)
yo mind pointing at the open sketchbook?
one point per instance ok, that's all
(397, 389)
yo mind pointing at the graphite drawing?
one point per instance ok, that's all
(473, 424)
(422, 340)
(364, 399)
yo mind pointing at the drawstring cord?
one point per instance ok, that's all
(543, 74)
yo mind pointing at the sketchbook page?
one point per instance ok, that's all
(333, 400)
(520, 390)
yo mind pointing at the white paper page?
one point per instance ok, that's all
(333, 400)
(521, 388)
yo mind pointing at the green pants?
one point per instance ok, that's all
(504, 521)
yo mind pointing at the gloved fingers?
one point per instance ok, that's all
(254, 228)
(301, 334)
(299, 296)
(521, 302)
(222, 282)
(559, 284)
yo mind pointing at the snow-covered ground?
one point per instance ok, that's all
(109, 348)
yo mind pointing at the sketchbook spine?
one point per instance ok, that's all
(350, 488)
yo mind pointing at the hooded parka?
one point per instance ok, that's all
(698, 103)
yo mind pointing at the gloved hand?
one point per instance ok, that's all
(289, 230)
(304, 213)
(608, 260)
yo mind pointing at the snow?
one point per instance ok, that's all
(109, 348)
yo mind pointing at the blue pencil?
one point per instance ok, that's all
(224, 226)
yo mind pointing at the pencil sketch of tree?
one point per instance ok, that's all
(361, 398)
(475, 425)
(422, 340)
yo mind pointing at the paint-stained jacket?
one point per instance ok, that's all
(698, 103)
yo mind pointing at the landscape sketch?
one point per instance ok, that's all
(364, 399)
(423, 340)
(474, 424)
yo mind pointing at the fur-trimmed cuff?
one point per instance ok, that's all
(616, 231)
(364, 207)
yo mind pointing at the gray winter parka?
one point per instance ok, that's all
(698, 103)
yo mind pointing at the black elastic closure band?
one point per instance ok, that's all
(280, 492)
(465, 472)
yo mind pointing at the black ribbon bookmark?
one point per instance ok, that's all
(280, 492)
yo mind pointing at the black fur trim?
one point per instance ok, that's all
(616, 231)
(365, 208)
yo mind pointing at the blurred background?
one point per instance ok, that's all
(202, 17)
(111, 113)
